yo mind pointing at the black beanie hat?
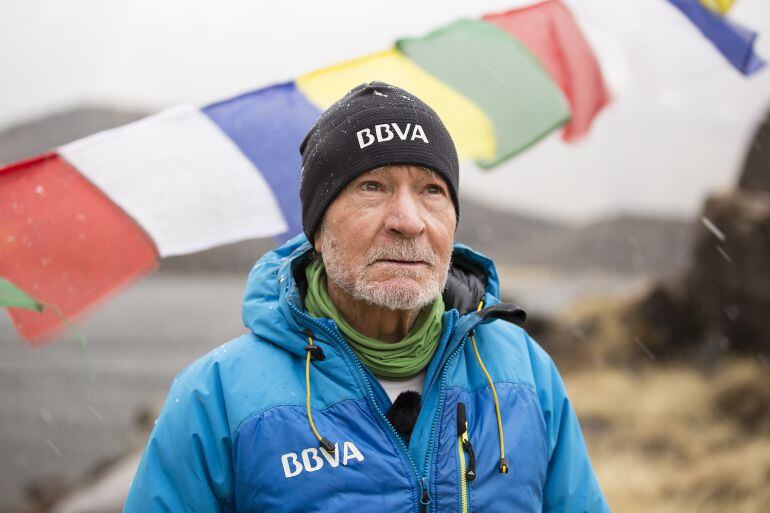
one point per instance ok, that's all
(373, 125)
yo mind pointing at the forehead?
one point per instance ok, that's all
(405, 172)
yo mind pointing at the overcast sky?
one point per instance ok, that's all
(677, 130)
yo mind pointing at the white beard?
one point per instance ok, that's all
(425, 284)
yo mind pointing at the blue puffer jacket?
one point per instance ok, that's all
(234, 433)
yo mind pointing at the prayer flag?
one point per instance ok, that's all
(497, 73)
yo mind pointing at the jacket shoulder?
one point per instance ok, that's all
(240, 378)
(510, 353)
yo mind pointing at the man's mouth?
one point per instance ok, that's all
(405, 263)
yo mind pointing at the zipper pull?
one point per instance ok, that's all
(462, 433)
(470, 473)
(425, 499)
(462, 421)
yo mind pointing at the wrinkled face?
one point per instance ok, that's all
(386, 239)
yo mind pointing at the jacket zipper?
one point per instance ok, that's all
(432, 440)
(467, 473)
(422, 483)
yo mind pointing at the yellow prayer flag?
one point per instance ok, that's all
(720, 6)
(469, 126)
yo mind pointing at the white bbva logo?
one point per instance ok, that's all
(384, 133)
(309, 461)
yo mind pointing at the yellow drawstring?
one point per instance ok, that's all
(326, 444)
(503, 463)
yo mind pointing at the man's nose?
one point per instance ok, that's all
(404, 215)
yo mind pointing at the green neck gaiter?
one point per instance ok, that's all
(391, 360)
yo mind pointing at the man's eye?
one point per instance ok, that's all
(434, 189)
(370, 186)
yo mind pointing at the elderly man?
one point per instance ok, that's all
(381, 371)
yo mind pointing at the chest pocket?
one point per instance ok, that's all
(486, 489)
(280, 467)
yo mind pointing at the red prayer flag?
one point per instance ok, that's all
(549, 31)
(65, 242)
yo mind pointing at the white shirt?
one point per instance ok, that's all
(393, 387)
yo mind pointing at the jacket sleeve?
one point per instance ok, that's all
(187, 463)
(570, 485)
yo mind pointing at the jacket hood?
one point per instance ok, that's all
(273, 308)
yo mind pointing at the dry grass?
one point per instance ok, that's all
(673, 439)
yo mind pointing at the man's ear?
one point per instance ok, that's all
(319, 235)
(317, 245)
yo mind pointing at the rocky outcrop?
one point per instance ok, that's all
(722, 302)
(756, 171)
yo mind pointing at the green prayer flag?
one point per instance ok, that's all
(497, 73)
(12, 296)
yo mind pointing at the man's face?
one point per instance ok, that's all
(386, 239)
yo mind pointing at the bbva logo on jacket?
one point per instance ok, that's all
(310, 461)
(383, 133)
